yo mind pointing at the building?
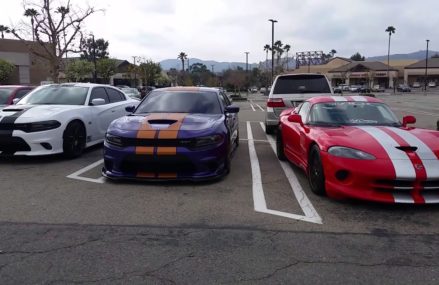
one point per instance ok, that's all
(30, 68)
(416, 72)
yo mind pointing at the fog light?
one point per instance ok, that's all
(342, 175)
(46, 146)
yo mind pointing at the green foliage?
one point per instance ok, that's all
(149, 71)
(358, 57)
(182, 56)
(105, 68)
(90, 47)
(4, 29)
(79, 70)
(200, 75)
(6, 70)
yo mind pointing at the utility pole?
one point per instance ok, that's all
(272, 48)
(246, 69)
(135, 75)
(426, 67)
(213, 65)
(94, 58)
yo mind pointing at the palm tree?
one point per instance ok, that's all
(267, 48)
(63, 11)
(182, 56)
(279, 51)
(32, 13)
(391, 30)
(4, 29)
(287, 48)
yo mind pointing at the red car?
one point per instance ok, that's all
(10, 92)
(355, 147)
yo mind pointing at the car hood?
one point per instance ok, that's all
(167, 121)
(384, 142)
(36, 112)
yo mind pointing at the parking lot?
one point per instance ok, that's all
(259, 224)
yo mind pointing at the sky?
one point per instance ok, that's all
(223, 30)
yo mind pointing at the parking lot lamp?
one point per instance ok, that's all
(272, 48)
(426, 67)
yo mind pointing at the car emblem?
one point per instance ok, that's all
(419, 166)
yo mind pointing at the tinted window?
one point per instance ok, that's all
(21, 93)
(304, 110)
(57, 95)
(114, 95)
(301, 84)
(180, 102)
(99, 93)
(226, 99)
(4, 95)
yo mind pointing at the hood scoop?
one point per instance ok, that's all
(12, 110)
(162, 122)
(407, 148)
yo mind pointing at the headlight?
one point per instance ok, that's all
(208, 140)
(37, 126)
(347, 152)
(113, 140)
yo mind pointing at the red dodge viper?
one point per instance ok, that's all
(355, 147)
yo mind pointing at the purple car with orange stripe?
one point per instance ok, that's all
(177, 133)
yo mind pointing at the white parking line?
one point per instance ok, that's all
(76, 175)
(253, 108)
(260, 204)
(259, 106)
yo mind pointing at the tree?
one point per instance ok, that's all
(105, 68)
(31, 13)
(55, 33)
(278, 48)
(63, 11)
(358, 57)
(94, 49)
(391, 30)
(267, 48)
(287, 48)
(6, 69)
(149, 71)
(182, 56)
(332, 52)
(200, 74)
(79, 70)
(4, 29)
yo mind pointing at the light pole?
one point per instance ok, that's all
(246, 69)
(135, 76)
(426, 67)
(213, 68)
(94, 58)
(272, 49)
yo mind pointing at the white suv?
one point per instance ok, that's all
(289, 91)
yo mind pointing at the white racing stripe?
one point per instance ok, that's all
(402, 164)
(359, 98)
(431, 198)
(427, 156)
(339, 98)
(403, 198)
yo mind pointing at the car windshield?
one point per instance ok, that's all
(4, 95)
(57, 95)
(301, 84)
(352, 113)
(180, 102)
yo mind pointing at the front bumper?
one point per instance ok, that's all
(32, 144)
(184, 164)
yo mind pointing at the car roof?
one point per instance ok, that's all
(328, 99)
(80, 84)
(189, 89)
(16, 86)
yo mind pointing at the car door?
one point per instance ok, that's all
(294, 136)
(118, 102)
(232, 121)
(102, 115)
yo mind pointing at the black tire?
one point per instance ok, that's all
(280, 146)
(74, 140)
(269, 130)
(316, 176)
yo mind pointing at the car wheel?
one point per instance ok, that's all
(316, 177)
(280, 146)
(74, 140)
(269, 130)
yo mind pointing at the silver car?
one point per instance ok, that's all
(289, 91)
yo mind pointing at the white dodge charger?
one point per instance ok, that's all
(61, 118)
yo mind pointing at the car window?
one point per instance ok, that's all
(56, 95)
(301, 84)
(20, 93)
(226, 99)
(114, 95)
(304, 110)
(4, 95)
(99, 93)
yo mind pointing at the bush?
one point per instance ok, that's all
(6, 70)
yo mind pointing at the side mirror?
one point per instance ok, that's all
(97, 102)
(295, 118)
(15, 101)
(408, 120)
(130, 109)
(232, 109)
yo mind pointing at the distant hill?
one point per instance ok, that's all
(218, 66)
(414, 55)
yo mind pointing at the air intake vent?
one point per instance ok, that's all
(407, 148)
(161, 122)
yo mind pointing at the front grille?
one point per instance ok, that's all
(155, 142)
(13, 144)
(430, 185)
(6, 127)
(151, 163)
(404, 185)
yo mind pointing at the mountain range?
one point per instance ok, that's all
(221, 66)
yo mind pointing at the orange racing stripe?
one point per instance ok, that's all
(171, 133)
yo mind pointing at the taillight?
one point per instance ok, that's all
(275, 103)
